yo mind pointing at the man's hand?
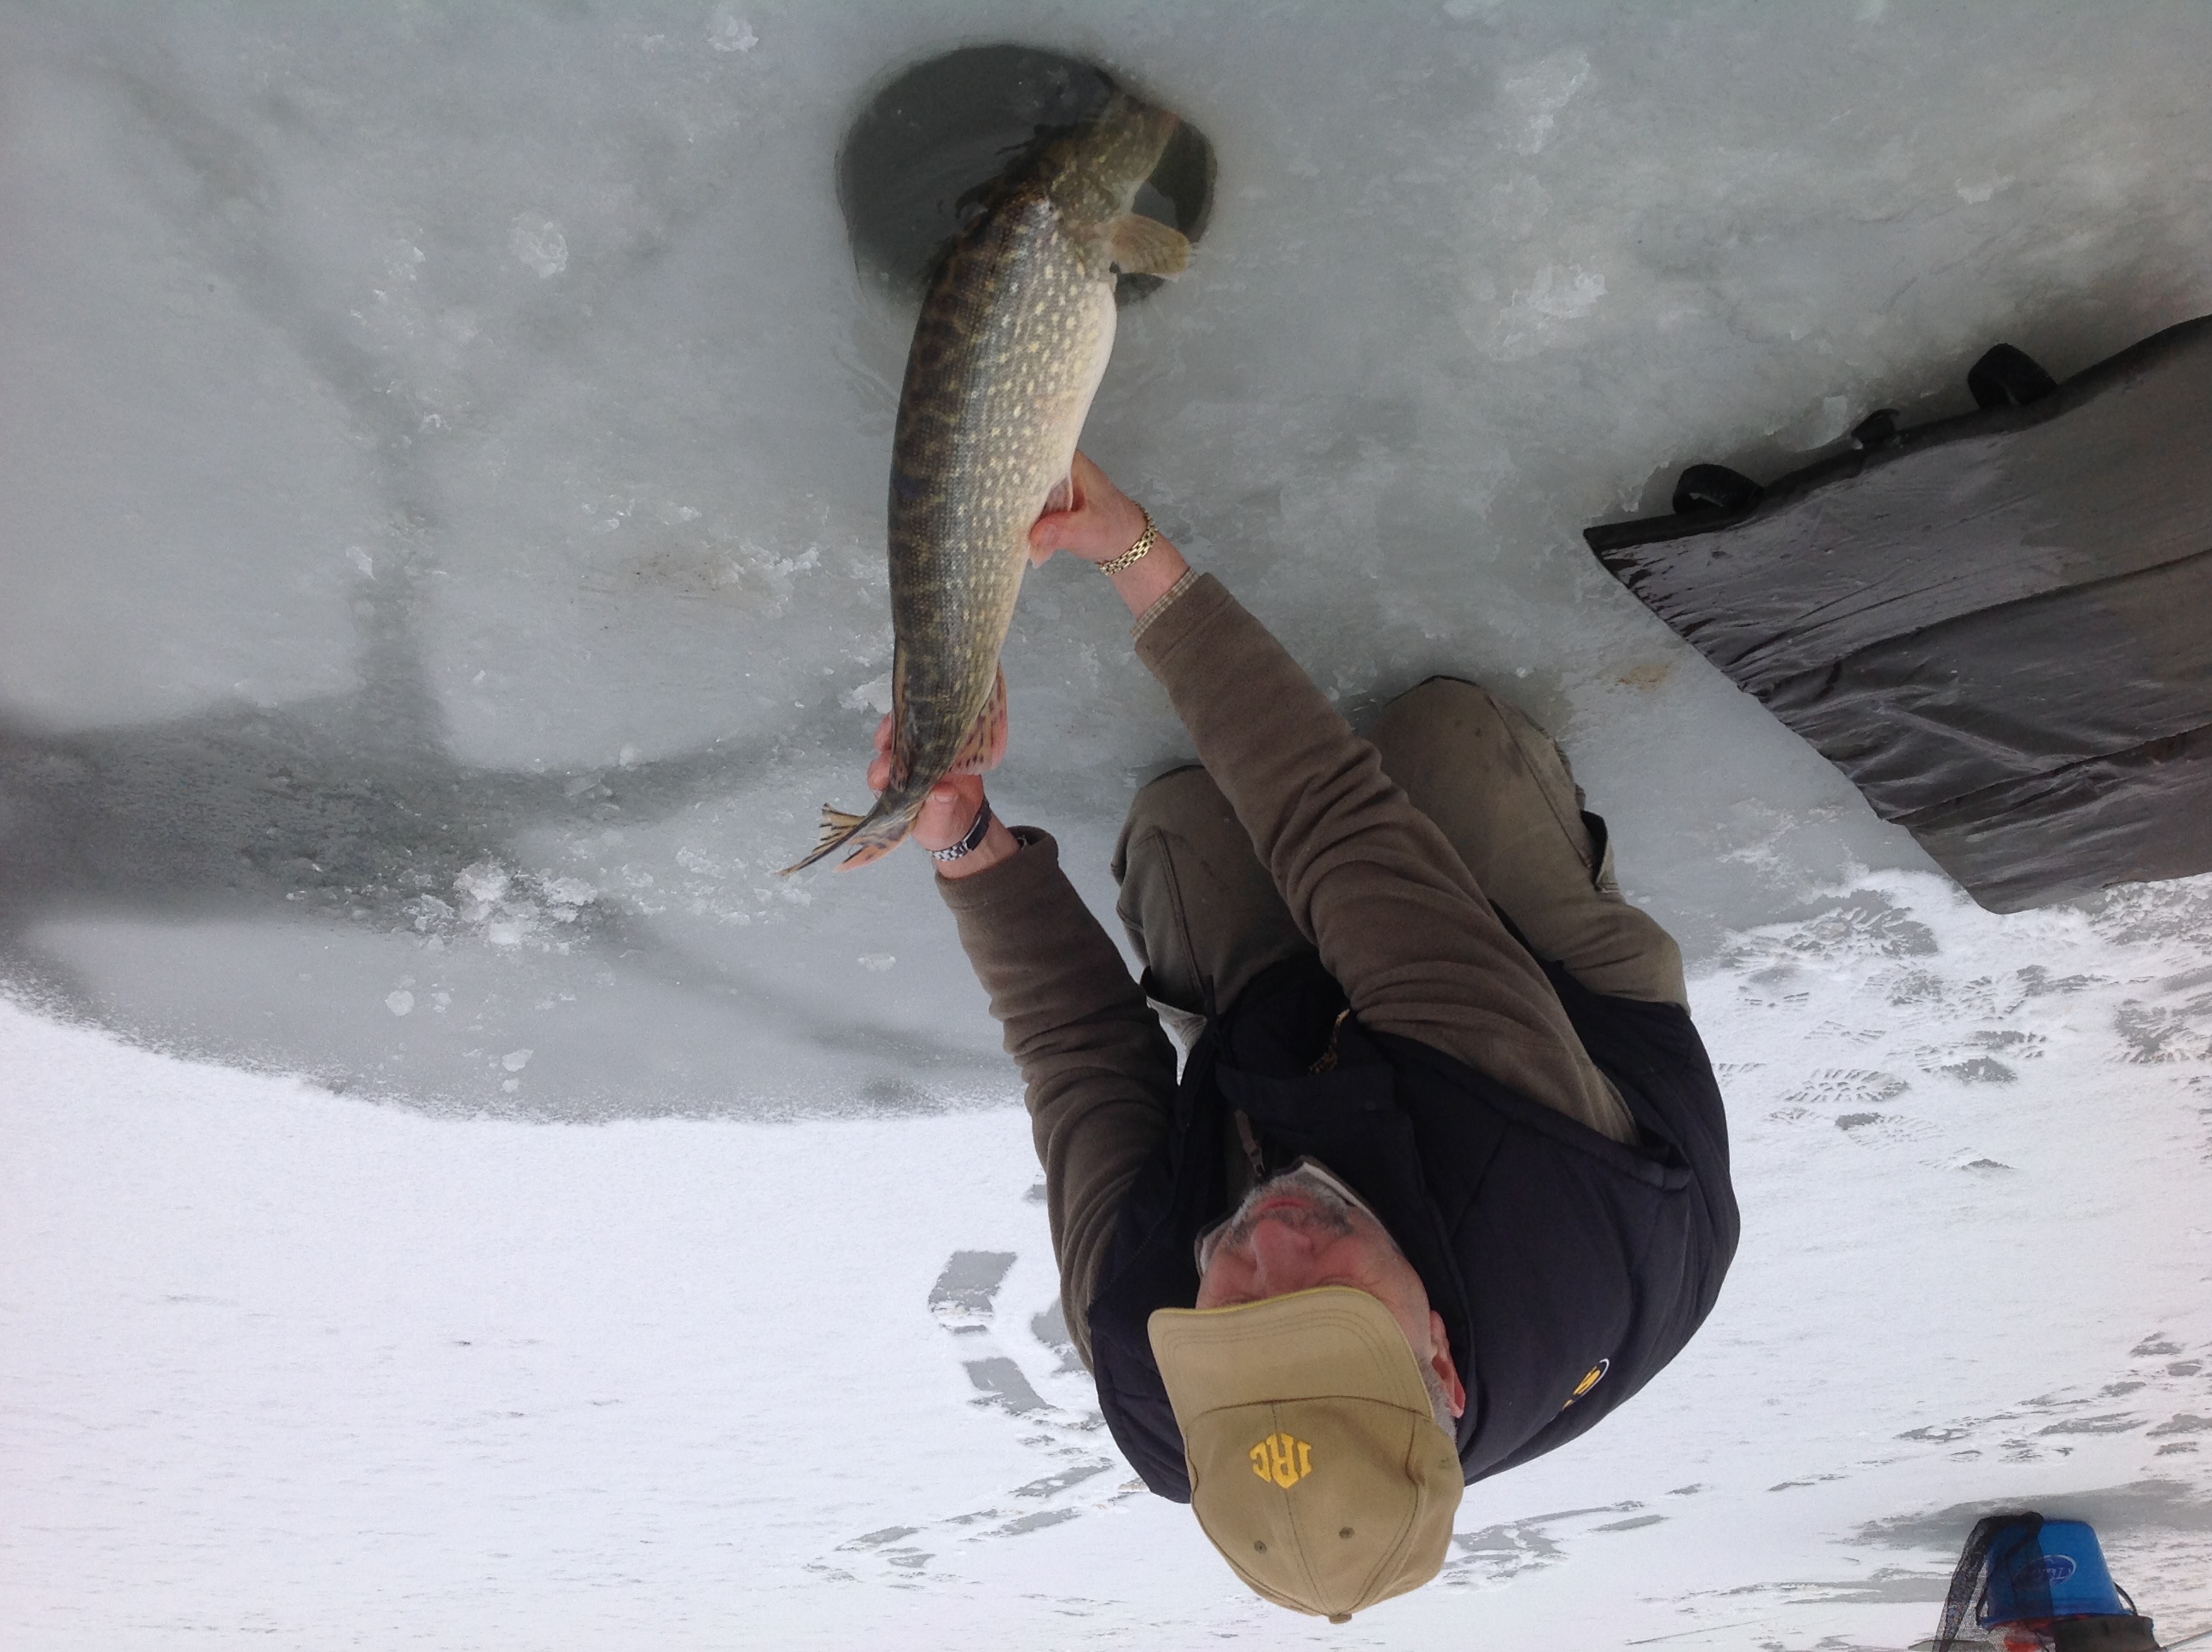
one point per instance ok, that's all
(1101, 523)
(946, 817)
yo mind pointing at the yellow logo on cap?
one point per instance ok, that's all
(1282, 1459)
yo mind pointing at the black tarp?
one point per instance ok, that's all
(1999, 625)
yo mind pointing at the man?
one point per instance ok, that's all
(1445, 1178)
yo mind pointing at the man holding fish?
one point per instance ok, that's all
(1445, 1177)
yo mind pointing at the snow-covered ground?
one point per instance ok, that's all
(286, 1365)
(455, 1196)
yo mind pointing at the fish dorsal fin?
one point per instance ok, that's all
(901, 751)
(986, 744)
(1145, 246)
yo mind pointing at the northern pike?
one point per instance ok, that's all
(1013, 338)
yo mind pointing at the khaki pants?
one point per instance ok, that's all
(1205, 917)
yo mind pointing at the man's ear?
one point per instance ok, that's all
(1446, 1371)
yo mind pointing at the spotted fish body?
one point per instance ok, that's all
(1012, 341)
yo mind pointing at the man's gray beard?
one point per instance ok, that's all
(1331, 1216)
(1334, 1216)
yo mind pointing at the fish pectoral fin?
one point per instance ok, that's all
(985, 748)
(1145, 246)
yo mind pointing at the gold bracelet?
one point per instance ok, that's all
(1136, 553)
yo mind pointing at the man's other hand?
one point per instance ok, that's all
(1100, 524)
(946, 817)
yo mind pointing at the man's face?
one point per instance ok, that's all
(1296, 1233)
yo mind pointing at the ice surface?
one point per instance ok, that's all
(474, 425)
(444, 452)
(438, 438)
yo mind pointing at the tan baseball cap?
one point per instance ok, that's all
(1317, 1466)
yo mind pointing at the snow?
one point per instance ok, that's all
(456, 1194)
(285, 1364)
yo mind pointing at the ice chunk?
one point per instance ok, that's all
(730, 32)
(1540, 92)
(874, 695)
(539, 243)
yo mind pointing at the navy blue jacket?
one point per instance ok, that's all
(1550, 1251)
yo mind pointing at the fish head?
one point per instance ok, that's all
(1092, 171)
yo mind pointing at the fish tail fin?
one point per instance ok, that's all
(872, 836)
(837, 828)
(868, 853)
(985, 748)
(883, 830)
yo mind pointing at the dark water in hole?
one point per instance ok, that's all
(934, 132)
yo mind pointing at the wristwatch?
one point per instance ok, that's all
(970, 843)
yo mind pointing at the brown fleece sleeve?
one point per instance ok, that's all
(1099, 1070)
(1399, 921)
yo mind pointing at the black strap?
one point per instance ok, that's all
(1877, 429)
(1715, 488)
(970, 844)
(2006, 377)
